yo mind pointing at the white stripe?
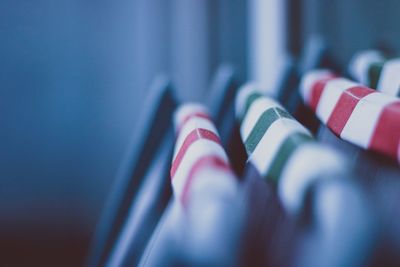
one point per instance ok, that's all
(330, 96)
(185, 110)
(270, 143)
(254, 113)
(309, 79)
(361, 124)
(389, 80)
(192, 124)
(213, 182)
(299, 174)
(361, 62)
(197, 150)
(242, 96)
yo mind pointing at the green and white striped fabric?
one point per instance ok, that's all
(280, 148)
(373, 69)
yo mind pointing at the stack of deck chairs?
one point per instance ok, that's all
(308, 178)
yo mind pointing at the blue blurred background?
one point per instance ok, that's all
(73, 74)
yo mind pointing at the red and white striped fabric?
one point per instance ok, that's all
(356, 113)
(200, 164)
(206, 189)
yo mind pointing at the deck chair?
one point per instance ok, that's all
(379, 173)
(287, 165)
(149, 134)
(221, 106)
(186, 241)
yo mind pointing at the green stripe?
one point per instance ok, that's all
(374, 72)
(291, 143)
(262, 125)
(249, 101)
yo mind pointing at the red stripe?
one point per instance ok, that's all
(317, 89)
(197, 114)
(213, 162)
(345, 106)
(386, 136)
(194, 135)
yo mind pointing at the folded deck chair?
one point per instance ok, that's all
(133, 246)
(284, 152)
(371, 147)
(201, 225)
(221, 104)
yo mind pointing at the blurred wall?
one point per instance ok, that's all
(349, 26)
(72, 76)
(267, 42)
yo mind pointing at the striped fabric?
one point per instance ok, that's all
(280, 148)
(355, 113)
(199, 161)
(371, 68)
